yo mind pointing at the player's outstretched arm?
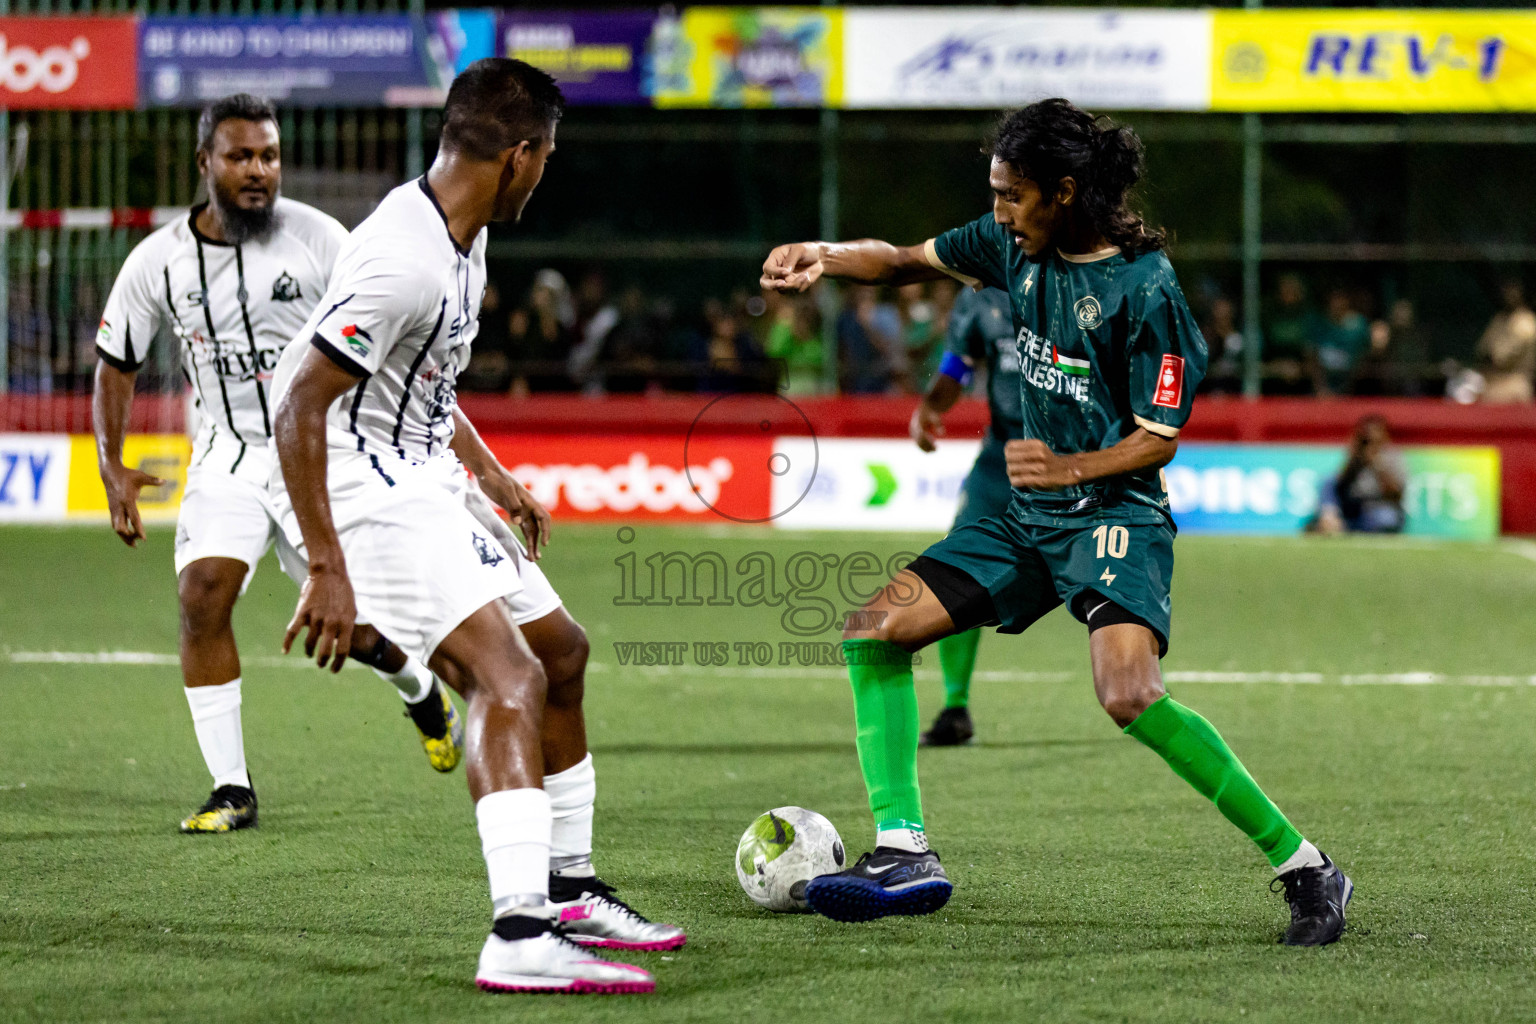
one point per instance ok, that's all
(111, 401)
(1032, 464)
(499, 485)
(326, 605)
(797, 266)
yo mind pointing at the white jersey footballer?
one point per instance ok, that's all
(401, 312)
(233, 308)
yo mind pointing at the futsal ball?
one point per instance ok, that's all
(782, 851)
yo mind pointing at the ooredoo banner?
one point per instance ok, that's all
(68, 63)
(981, 57)
(722, 480)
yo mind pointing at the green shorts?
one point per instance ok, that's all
(1029, 570)
(986, 491)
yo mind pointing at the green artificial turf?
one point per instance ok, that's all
(1091, 884)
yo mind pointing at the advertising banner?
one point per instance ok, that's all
(598, 58)
(68, 63)
(34, 477)
(716, 480)
(1276, 489)
(1411, 61)
(163, 455)
(868, 484)
(458, 38)
(750, 57)
(995, 57)
(311, 60)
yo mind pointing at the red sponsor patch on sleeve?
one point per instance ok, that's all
(1169, 392)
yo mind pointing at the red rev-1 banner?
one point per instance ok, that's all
(73, 63)
(719, 479)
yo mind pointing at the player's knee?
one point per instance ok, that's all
(520, 686)
(567, 673)
(1125, 700)
(207, 598)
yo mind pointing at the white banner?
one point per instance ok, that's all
(869, 484)
(996, 57)
(34, 477)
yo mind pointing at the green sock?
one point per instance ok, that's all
(957, 658)
(885, 711)
(1198, 755)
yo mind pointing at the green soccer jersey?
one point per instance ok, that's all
(981, 329)
(1106, 345)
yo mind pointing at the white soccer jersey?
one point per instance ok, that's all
(401, 311)
(234, 308)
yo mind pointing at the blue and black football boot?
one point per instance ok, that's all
(881, 884)
(1317, 897)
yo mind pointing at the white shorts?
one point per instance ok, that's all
(224, 516)
(537, 598)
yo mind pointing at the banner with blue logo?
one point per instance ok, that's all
(307, 60)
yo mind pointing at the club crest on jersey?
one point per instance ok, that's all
(488, 555)
(286, 288)
(1170, 383)
(1088, 313)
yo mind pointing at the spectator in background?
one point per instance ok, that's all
(726, 353)
(1397, 360)
(795, 339)
(1367, 495)
(1341, 339)
(922, 335)
(868, 337)
(1224, 342)
(540, 336)
(490, 358)
(595, 317)
(1508, 348)
(1291, 327)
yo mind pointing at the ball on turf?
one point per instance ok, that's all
(781, 851)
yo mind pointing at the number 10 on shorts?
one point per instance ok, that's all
(1112, 540)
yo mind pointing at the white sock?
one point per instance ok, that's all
(414, 681)
(1306, 856)
(514, 836)
(571, 796)
(216, 720)
(913, 840)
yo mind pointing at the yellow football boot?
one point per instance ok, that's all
(440, 727)
(229, 808)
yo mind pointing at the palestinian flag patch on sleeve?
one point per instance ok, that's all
(1170, 383)
(1068, 365)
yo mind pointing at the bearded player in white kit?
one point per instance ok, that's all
(366, 417)
(232, 281)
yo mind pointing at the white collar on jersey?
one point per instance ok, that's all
(1092, 257)
(426, 187)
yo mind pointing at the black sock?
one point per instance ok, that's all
(511, 927)
(428, 715)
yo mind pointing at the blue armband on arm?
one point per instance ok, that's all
(954, 366)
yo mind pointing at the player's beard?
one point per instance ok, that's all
(244, 225)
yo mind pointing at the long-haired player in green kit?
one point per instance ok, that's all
(1110, 358)
(980, 331)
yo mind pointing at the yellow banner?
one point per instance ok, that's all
(1410, 61)
(163, 455)
(754, 57)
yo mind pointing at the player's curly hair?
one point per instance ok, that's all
(1055, 139)
(496, 103)
(241, 106)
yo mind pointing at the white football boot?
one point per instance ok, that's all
(552, 963)
(588, 911)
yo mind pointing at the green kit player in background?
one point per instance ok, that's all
(1110, 358)
(980, 331)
